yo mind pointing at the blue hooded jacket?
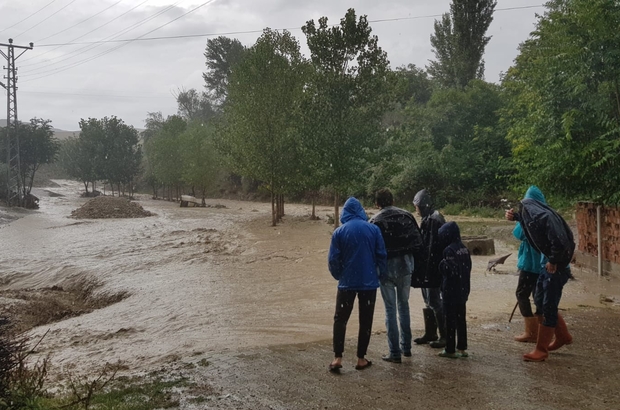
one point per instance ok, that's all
(455, 267)
(357, 250)
(528, 257)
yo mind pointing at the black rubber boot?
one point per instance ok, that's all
(441, 324)
(430, 328)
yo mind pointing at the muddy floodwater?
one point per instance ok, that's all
(257, 302)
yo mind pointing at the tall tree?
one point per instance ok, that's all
(459, 42)
(222, 54)
(37, 146)
(265, 89)
(163, 152)
(344, 101)
(75, 161)
(114, 149)
(198, 157)
(194, 106)
(564, 101)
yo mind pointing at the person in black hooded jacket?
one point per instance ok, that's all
(426, 274)
(549, 233)
(403, 242)
(455, 268)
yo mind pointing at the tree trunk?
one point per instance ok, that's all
(282, 205)
(273, 210)
(336, 214)
(86, 187)
(313, 217)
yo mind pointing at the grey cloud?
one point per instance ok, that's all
(148, 71)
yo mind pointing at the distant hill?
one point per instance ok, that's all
(60, 134)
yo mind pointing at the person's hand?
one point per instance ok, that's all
(551, 268)
(510, 214)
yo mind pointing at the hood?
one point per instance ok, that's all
(423, 201)
(535, 193)
(449, 232)
(352, 209)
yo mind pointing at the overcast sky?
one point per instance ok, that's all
(67, 82)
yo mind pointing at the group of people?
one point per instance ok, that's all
(391, 252)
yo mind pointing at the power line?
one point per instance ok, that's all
(141, 38)
(60, 69)
(260, 31)
(85, 34)
(32, 15)
(47, 18)
(80, 22)
(89, 47)
(56, 93)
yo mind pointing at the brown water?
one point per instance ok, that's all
(206, 280)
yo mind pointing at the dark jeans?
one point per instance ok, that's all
(548, 294)
(344, 307)
(456, 326)
(525, 288)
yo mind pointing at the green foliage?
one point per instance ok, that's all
(194, 106)
(37, 146)
(112, 146)
(163, 150)
(564, 111)
(198, 156)
(459, 42)
(344, 101)
(222, 55)
(453, 145)
(258, 137)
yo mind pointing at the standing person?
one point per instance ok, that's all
(402, 238)
(528, 265)
(426, 275)
(455, 269)
(549, 233)
(357, 258)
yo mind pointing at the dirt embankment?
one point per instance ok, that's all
(110, 207)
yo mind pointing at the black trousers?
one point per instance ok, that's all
(525, 288)
(456, 326)
(344, 307)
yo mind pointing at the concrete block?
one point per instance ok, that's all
(479, 245)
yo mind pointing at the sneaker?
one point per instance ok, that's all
(407, 353)
(391, 359)
(446, 354)
(462, 353)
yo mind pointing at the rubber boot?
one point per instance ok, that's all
(441, 325)
(562, 337)
(430, 328)
(531, 331)
(540, 352)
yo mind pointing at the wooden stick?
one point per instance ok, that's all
(513, 312)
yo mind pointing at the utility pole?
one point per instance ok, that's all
(14, 183)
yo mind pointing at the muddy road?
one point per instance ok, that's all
(221, 286)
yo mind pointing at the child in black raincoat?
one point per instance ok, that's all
(455, 269)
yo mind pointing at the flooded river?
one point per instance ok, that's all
(204, 279)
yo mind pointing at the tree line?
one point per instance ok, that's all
(342, 121)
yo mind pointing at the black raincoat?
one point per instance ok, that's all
(400, 232)
(547, 231)
(455, 267)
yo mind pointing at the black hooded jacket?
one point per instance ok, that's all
(547, 231)
(455, 267)
(400, 231)
(426, 274)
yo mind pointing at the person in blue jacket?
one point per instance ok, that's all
(357, 258)
(455, 269)
(549, 233)
(528, 265)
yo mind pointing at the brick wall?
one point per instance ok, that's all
(610, 227)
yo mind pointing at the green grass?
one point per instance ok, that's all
(129, 394)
